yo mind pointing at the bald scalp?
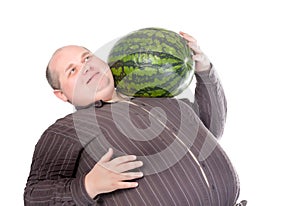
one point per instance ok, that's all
(52, 76)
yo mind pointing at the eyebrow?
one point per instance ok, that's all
(71, 65)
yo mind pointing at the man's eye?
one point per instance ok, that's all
(86, 58)
(72, 71)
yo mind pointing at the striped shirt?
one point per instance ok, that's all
(183, 162)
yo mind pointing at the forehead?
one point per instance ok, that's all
(66, 56)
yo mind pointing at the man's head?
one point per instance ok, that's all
(79, 77)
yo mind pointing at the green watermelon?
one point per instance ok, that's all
(151, 62)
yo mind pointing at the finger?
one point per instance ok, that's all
(129, 166)
(126, 185)
(130, 175)
(108, 155)
(122, 159)
(187, 37)
(196, 49)
(119, 164)
(181, 33)
(199, 57)
(118, 175)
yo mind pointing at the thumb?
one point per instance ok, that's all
(108, 155)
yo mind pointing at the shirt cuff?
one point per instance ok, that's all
(207, 77)
(79, 193)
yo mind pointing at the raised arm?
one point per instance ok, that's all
(210, 101)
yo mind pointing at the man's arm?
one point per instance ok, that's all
(210, 101)
(53, 180)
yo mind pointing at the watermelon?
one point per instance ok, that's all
(151, 62)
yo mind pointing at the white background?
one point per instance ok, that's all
(254, 46)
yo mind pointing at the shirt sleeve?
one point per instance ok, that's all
(210, 101)
(52, 179)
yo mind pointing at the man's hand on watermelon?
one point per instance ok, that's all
(202, 63)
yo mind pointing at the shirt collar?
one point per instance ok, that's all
(96, 104)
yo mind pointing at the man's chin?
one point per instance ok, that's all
(105, 94)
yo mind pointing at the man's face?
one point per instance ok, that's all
(83, 77)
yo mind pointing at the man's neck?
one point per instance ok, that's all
(118, 97)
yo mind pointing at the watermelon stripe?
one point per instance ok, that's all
(138, 39)
(157, 60)
(151, 62)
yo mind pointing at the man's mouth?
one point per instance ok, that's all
(92, 77)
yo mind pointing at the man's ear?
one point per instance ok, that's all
(59, 94)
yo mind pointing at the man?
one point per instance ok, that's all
(181, 163)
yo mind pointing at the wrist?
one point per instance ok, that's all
(202, 68)
(89, 186)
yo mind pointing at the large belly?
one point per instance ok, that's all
(183, 164)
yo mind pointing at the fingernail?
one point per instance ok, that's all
(140, 163)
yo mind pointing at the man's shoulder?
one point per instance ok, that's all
(80, 126)
(62, 127)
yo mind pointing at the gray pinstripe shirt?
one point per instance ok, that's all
(183, 162)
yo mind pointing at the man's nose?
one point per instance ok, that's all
(86, 68)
